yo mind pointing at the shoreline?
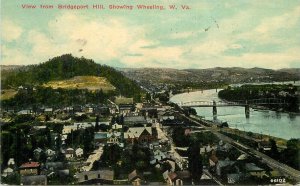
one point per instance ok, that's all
(281, 143)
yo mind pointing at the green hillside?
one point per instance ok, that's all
(66, 67)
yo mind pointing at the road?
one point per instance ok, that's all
(289, 171)
(92, 158)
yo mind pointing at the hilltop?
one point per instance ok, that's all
(67, 68)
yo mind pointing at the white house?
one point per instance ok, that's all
(79, 152)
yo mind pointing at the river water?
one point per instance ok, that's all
(282, 125)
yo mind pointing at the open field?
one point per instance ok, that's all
(8, 93)
(82, 82)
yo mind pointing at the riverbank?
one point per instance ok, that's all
(270, 123)
(256, 137)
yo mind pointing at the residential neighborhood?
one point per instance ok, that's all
(121, 143)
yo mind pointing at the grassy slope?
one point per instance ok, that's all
(82, 82)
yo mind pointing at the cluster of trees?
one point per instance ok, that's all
(290, 155)
(195, 162)
(249, 92)
(124, 161)
(182, 139)
(18, 141)
(54, 97)
(179, 86)
(82, 138)
(67, 66)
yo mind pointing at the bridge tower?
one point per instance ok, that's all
(247, 110)
(214, 109)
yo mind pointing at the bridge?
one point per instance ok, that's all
(223, 103)
(245, 103)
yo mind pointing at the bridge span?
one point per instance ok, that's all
(223, 103)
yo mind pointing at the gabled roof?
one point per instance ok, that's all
(134, 174)
(135, 132)
(100, 135)
(135, 119)
(104, 174)
(30, 165)
(250, 167)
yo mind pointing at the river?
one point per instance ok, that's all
(282, 125)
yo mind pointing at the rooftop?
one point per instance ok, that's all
(30, 165)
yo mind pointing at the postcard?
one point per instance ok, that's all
(150, 92)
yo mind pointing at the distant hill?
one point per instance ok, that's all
(211, 75)
(64, 68)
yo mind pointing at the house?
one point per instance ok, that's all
(176, 178)
(213, 159)
(24, 112)
(88, 110)
(79, 152)
(116, 126)
(113, 138)
(37, 152)
(99, 176)
(8, 171)
(135, 178)
(30, 168)
(50, 152)
(68, 129)
(264, 145)
(157, 156)
(223, 165)
(39, 128)
(11, 162)
(34, 180)
(254, 170)
(48, 110)
(125, 108)
(150, 112)
(134, 120)
(141, 134)
(100, 137)
(69, 153)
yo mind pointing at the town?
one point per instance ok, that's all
(124, 142)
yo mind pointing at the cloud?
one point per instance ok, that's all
(240, 39)
(10, 31)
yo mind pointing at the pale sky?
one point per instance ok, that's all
(213, 33)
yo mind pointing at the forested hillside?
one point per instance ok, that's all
(66, 67)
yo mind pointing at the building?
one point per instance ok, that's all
(79, 152)
(69, 153)
(34, 180)
(99, 176)
(254, 170)
(30, 168)
(141, 134)
(135, 178)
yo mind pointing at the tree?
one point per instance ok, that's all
(58, 143)
(97, 123)
(195, 162)
(274, 151)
